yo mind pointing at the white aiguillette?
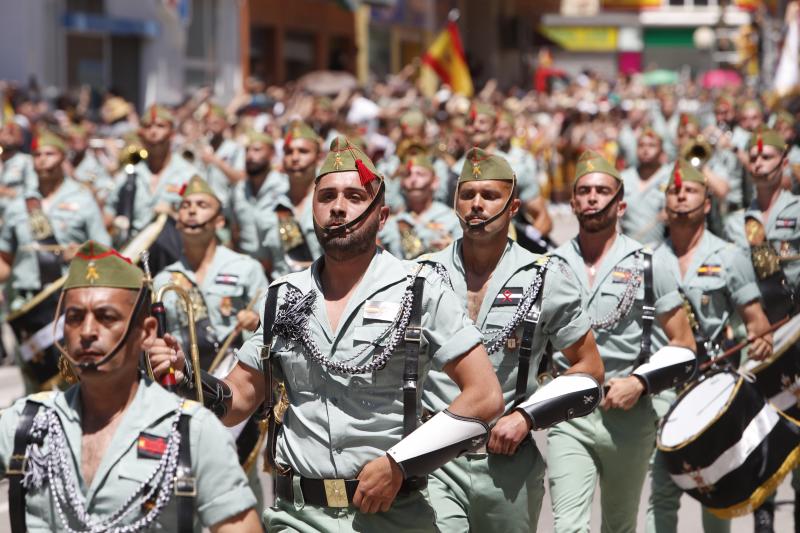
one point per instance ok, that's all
(377, 310)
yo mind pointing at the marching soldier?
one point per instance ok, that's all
(784, 123)
(622, 294)
(116, 452)
(87, 166)
(42, 230)
(222, 160)
(499, 283)
(153, 185)
(348, 457)
(16, 173)
(426, 225)
(289, 242)
(716, 281)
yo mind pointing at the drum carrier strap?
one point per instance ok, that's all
(16, 468)
(648, 308)
(270, 311)
(125, 202)
(529, 323)
(185, 483)
(49, 263)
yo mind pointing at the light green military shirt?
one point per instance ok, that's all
(172, 178)
(91, 172)
(619, 344)
(387, 167)
(233, 154)
(222, 490)
(17, 173)
(74, 217)
(719, 280)
(782, 229)
(272, 247)
(437, 223)
(336, 423)
(231, 282)
(562, 321)
(248, 209)
(642, 220)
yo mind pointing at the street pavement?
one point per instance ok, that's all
(565, 227)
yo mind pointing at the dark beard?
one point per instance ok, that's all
(596, 224)
(254, 169)
(342, 247)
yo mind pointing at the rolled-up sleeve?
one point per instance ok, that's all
(563, 318)
(741, 277)
(665, 287)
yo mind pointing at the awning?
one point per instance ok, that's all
(581, 38)
(85, 22)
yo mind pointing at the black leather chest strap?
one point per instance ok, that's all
(529, 323)
(185, 483)
(270, 311)
(648, 308)
(15, 470)
(413, 340)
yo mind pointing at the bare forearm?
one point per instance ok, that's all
(247, 393)
(481, 396)
(676, 326)
(585, 358)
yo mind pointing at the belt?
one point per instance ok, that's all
(333, 492)
(734, 206)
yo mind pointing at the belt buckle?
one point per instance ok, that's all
(185, 486)
(17, 465)
(335, 492)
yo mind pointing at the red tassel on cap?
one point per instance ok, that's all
(288, 139)
(473, 113)
(410, 164)
(153, 114)
(183, 190)
(678, 178)
(760, 143)
(35, 144)
(364, 174)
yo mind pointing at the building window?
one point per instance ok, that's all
(86, 6)
(298, 53)
(200, 64)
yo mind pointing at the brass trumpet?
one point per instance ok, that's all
(697, 151)
(132, 154)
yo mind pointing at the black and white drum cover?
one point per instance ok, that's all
(726, 446)
(778, 378)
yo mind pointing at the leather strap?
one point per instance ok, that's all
(301, 251)
(529, 323)
(125, 203)
(185, 484)
(648, 307)
(413, 339)
(273, 425)
(49, 262)
(16, 468)
(323, 492)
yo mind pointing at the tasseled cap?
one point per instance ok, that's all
(95, 265)
(47, 138)
(480, 165)
(752, 104)
(650, 132)
(417, 160)
(591, 161)
(725, 100)
(346, 156)
(784, 117)
(157, 111)
(254, 136)
(481, 108)
(197, 185)
(412, 118)
(682, 172)
(765, 136)
(300, 130)
(686, 119)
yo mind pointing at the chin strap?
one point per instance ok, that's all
(605, 208)
(343, 228)
(480, 224)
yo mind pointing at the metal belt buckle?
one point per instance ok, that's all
(648, 312)
(17, 465)
(335, 492)
(413, 334)
(185, 486)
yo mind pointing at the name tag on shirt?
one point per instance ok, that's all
(377, 310)
(508, 296)
(226, 279)
(786, 223)
(709, 270)
(150, 446)
(68, 206)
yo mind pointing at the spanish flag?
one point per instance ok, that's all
(445, 60)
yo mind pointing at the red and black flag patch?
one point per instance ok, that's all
(709, 270)
(226, 279)
(508, 296)
(150, 446)
(786, 223)
(621, 275)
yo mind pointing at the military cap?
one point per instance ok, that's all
(481, 108)
(77, 130)
(114, 109)
(418, 160)
(196, 185)
(686, 119)
(480, 165)
(593, 162)
(752, 104)
(506, 116)
(410, 145)
(254, 136)
(216, 110)
(300, 130)
(785, 117)
(47, 138)
(650, 132)
(765, 136)
(724, 99)
(346, 156)
(682, 172)
(412, 118)
(94, 265)
(157, 111)
(323, 102)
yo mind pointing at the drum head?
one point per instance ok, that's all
(697, 408)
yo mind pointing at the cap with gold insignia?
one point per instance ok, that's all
(481, 108)
(157, 112)
(650, 132)
(480, 165)
(197, 185)
(114, 109)
(95, 265)
(47, 138)
(418, 160)
(686, 119)
(682, 172)
(254, 136)
(751, 105)
(765, 136)
(413, 118)
(724, 100)
(346, 156)
(784, 117)
(591, 161)
(300, 130)
(505, 116)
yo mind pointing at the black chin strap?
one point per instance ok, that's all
(689, 212)
(480, 224)
(605, 209)
(210, 219)
(776, 168)
(343, 228)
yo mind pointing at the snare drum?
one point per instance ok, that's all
(726, 446)
(778, 378)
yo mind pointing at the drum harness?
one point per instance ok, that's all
(49, 262)
(293, 241)
(771, 278)
(30, 469)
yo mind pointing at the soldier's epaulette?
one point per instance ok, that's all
(42, 397)
(433, 267)
(279, 281)
(190, 406)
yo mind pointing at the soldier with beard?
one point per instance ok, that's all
(222, 160)
(623, 295)
(16, 173)
(345, 336)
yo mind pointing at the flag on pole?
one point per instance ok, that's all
(787, 75)
(445, 61)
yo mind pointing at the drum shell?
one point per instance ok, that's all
(44, 367)
(774, 377)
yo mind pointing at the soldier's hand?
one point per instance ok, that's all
(760, 347)
(69, 251)
(247, 319)
(622, 393)
(378, 484)
(164, 353)
(508, 433)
